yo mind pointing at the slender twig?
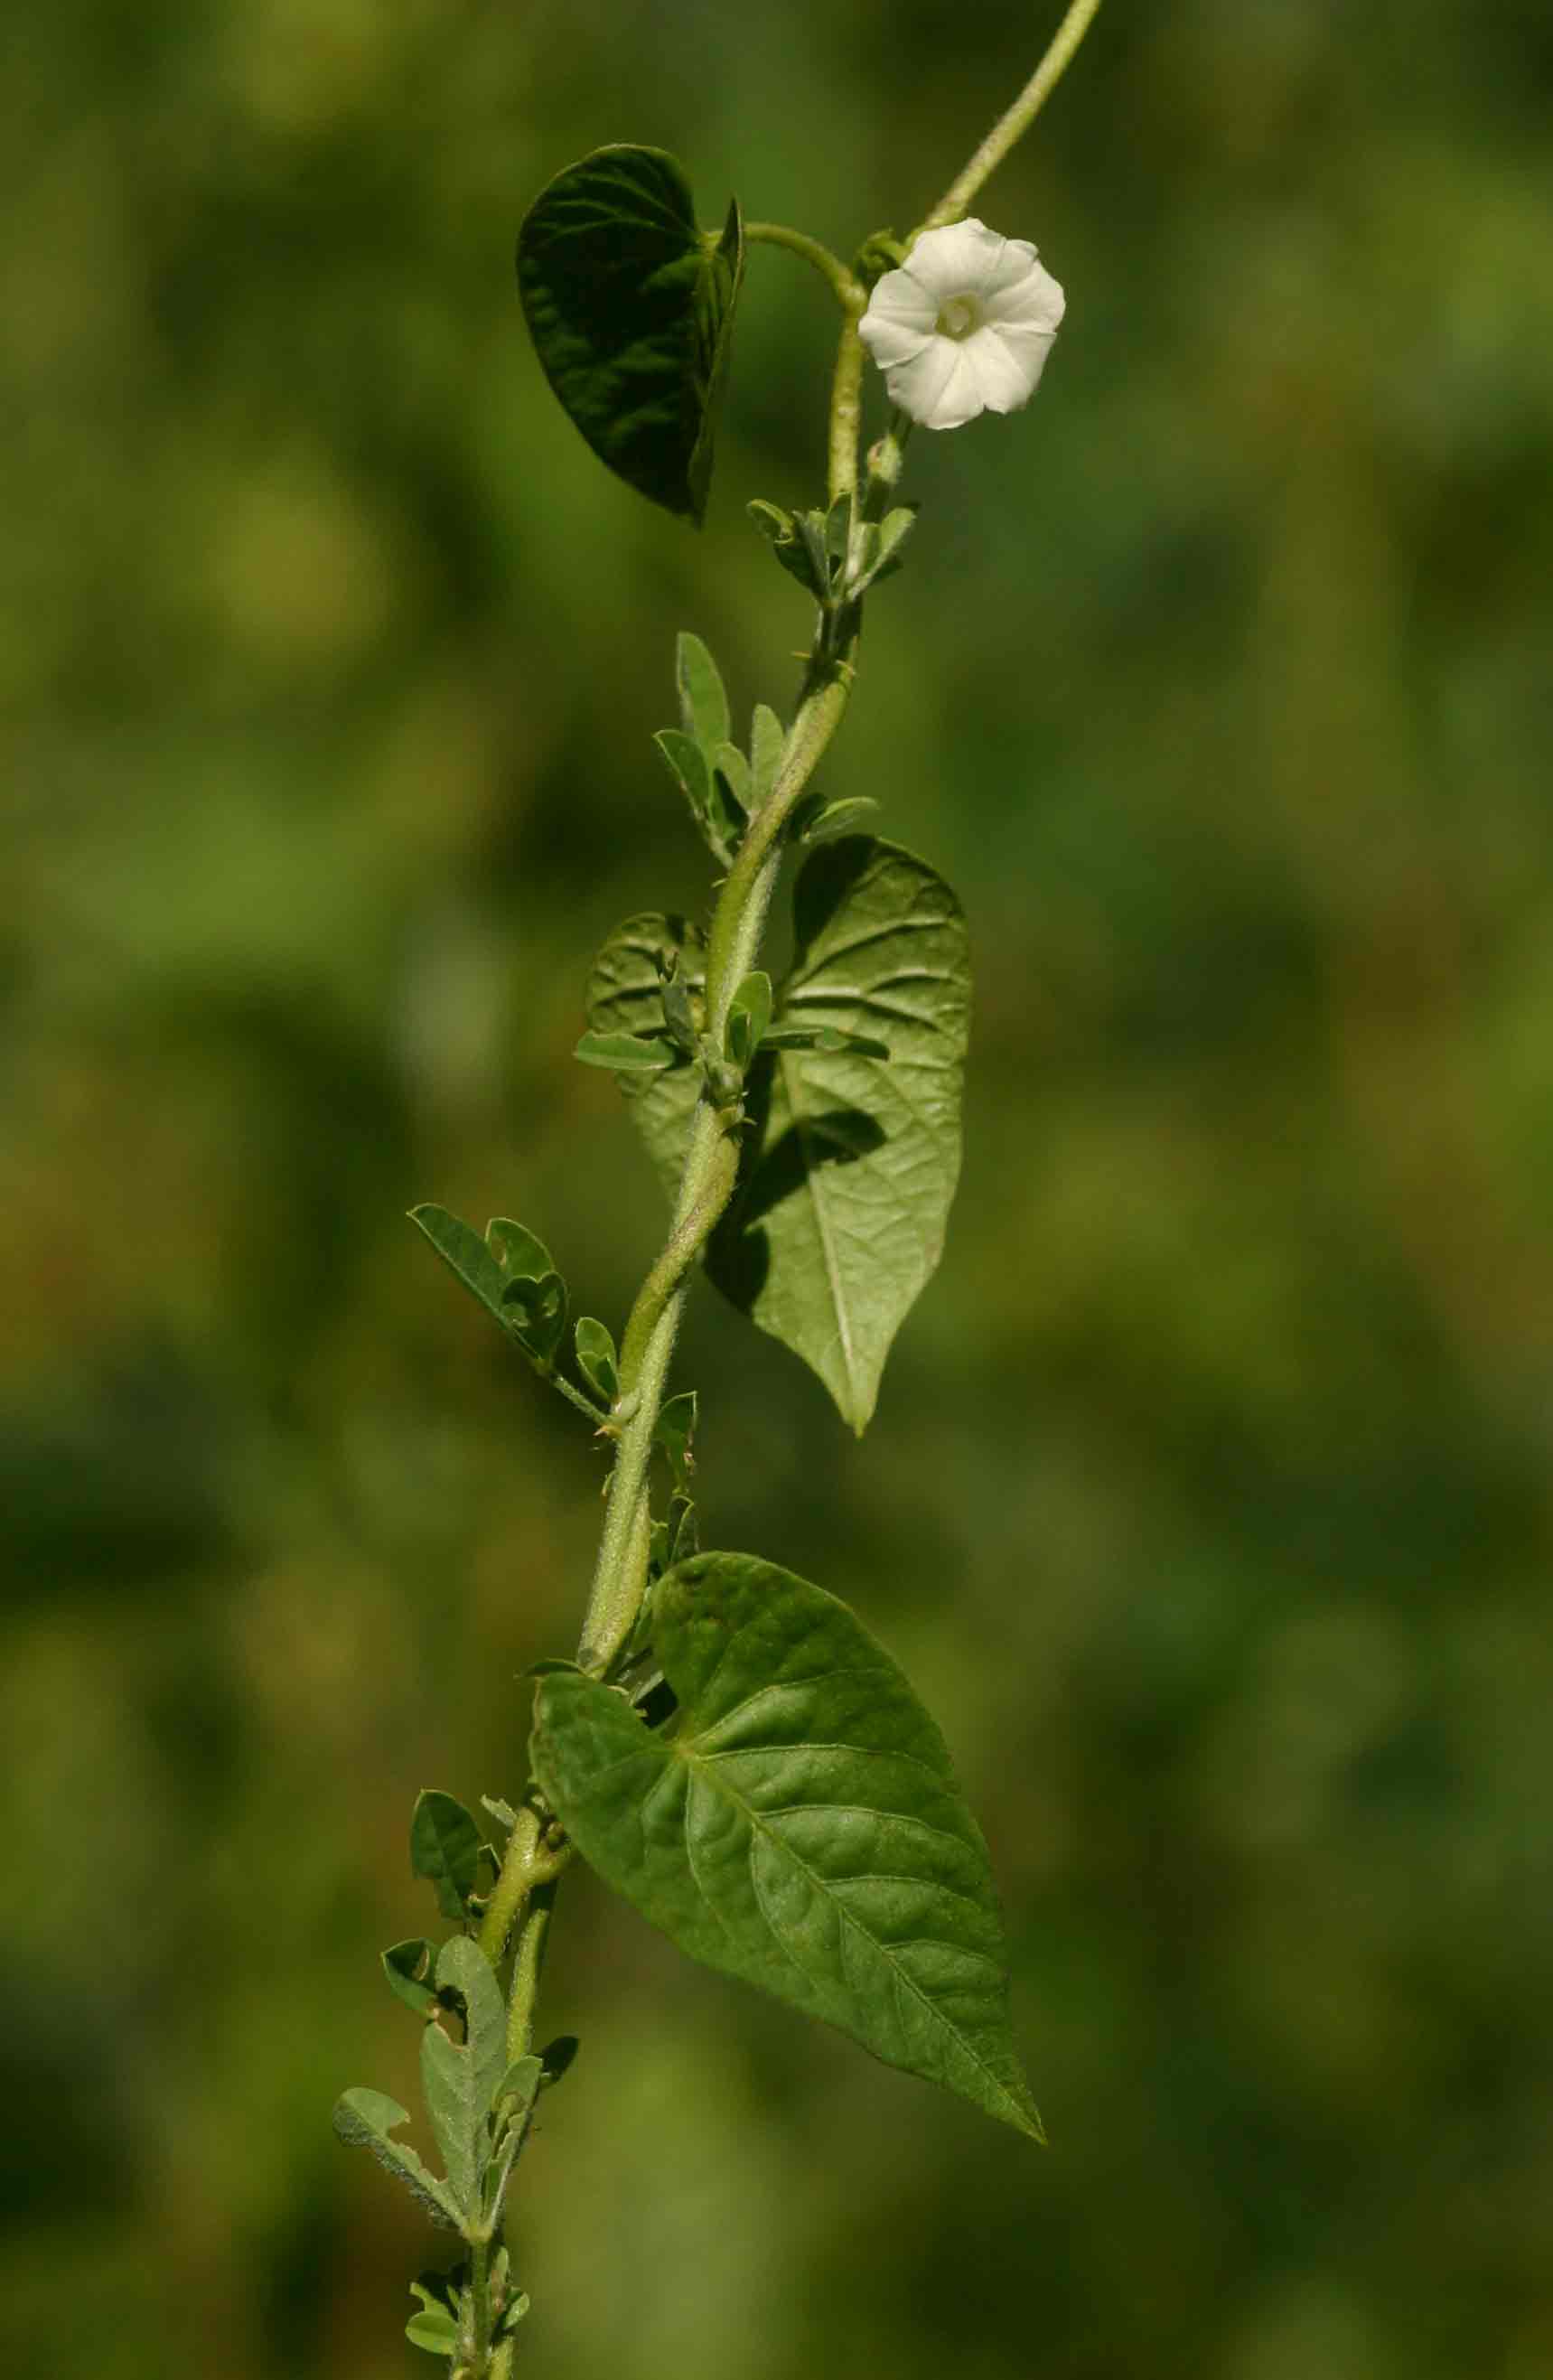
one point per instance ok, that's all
(1013, 126)
(849, 291)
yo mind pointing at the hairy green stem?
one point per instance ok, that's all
(846, 409)
(849, 291)
(1013, 126)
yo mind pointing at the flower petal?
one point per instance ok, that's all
(938, 388)
(1032, 300)
(899, 319)
(1005, 378)
(957, 259)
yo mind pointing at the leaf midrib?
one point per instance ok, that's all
(897, 1974)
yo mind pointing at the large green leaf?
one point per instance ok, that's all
(850, 1165)
(797, 1824)
(631, 306)
(850, 1168)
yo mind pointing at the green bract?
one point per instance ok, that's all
(797, 1824)
(630, 306)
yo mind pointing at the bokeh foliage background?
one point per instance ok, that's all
(1208, 1499)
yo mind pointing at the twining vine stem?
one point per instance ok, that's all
(518, 1912)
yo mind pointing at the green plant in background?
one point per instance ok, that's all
(729, 1749)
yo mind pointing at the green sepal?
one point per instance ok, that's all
(625, 1053)
(446, 1846)
(800, 1827)
(630, 307)
(675, 1434)
(367, 2118)
(408, 1967)
(597, 1358)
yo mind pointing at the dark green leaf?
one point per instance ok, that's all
(597, 1358)
(535, 1311)
(630, 307)
(556, 2057)
(799, 1827)
(521, 1254)
(368, 2118)
(464, 1253)
(408, 1968)
(445, 1846)
(675, 1434)
(625, 996)
(794, 543)
(623, 1053)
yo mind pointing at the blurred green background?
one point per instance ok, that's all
(1207, 1501)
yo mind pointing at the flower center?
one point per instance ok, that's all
(958, 317)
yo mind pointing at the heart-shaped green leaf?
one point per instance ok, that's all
(850, 1167)
(797, 1825)
(630, 306)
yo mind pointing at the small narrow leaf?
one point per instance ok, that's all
(703, 701)
(826, 820)
(597, 1357)
(679, 1011)
(623, 1053)
(794, 546)
(825, 1038)
(767, 741)
(435, 2327)
(749, 1013)
(366, 2118)
(801, 1827)
(630, 307)
(675, 1434)
(408, 1967)
(464, 1253)
(445, 1847)
(502, 1812)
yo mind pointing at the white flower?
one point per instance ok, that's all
(966, 323)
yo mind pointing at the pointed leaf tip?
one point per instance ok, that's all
(802, 1829)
